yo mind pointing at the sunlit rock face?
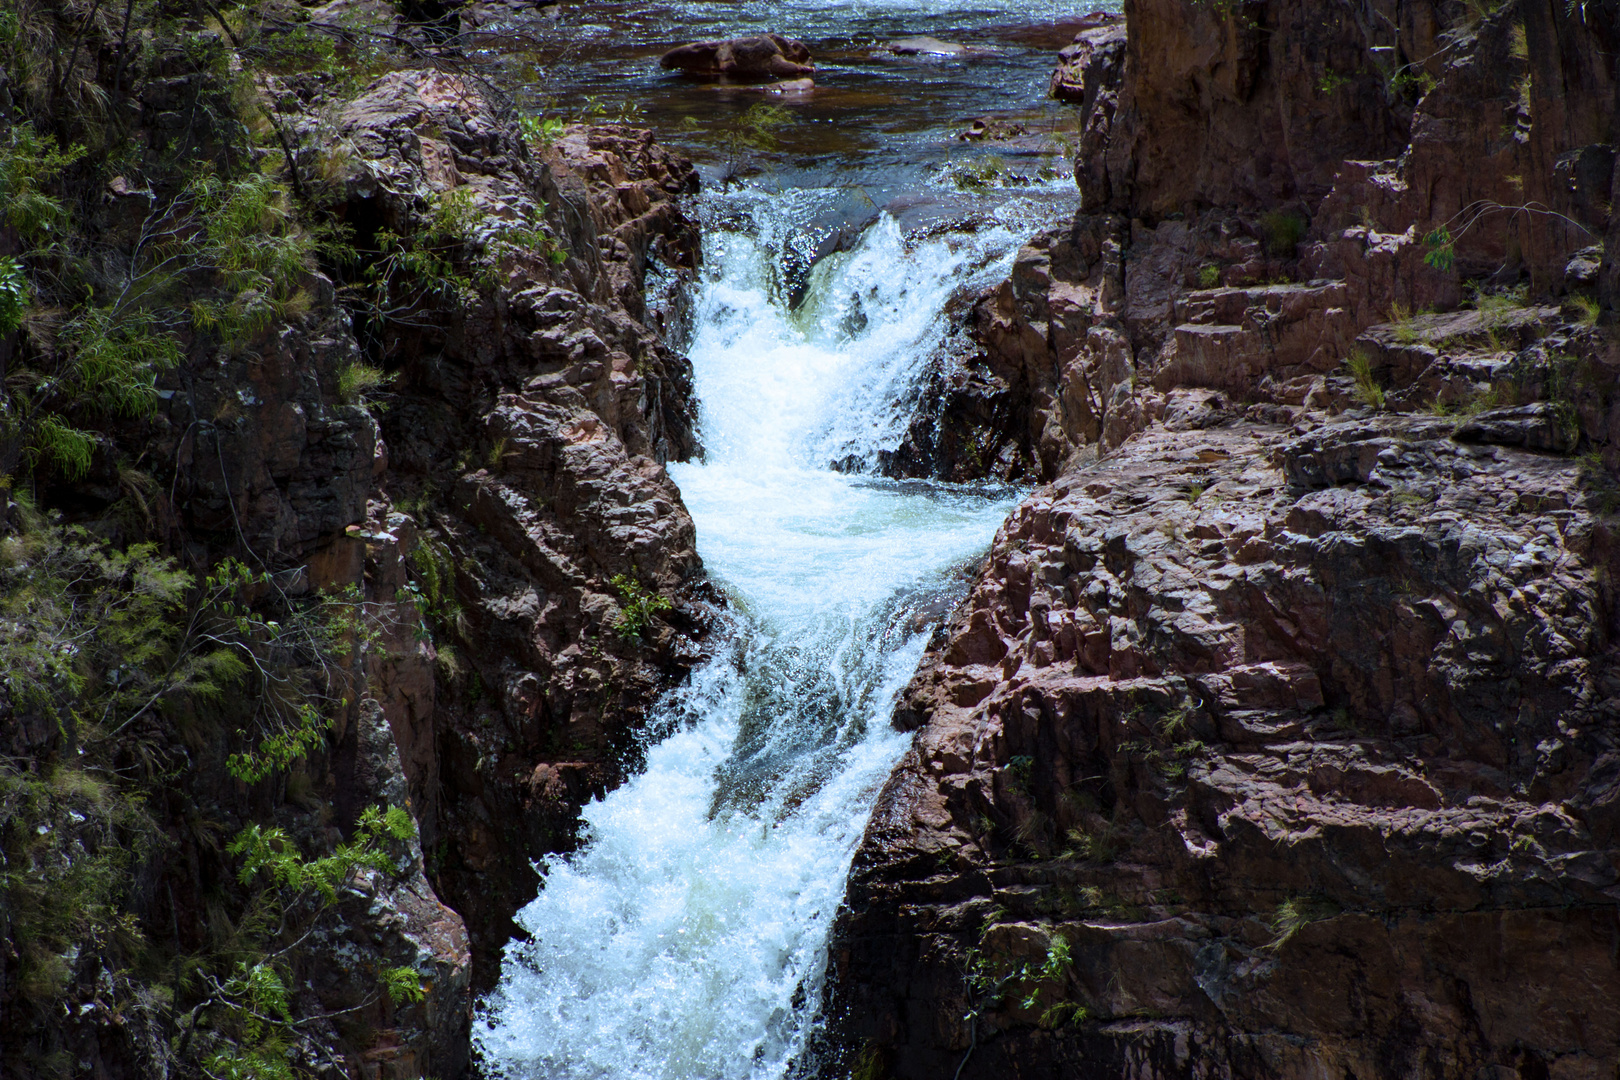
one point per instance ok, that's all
(529, 434)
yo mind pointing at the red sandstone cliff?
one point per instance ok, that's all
(1281, 734)
(465, 464)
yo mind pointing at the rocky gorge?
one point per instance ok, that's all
(437, 454)
(1276, 736)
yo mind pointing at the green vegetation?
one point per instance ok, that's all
(1296, 913)
(757, 130)
(14, 295)
(1442, 253)
(1518, 43)
(638, 606)
(980, 174)
(1099, 845)
(1498, 306)
(1209, 276)
(1587, 309)
(357, 379)
(1367, 390)
(1400, 320)
(130, 675)
(1282, 232)
(1165, 744)
(1477, 11)
(119, 645)
(541, 133)
(996, 980)
(1411, 82)
(445, 260)
(171, 871)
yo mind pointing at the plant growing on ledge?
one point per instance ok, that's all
(638, 606)
(539, 133)
(1367, 391)
(1283, 232)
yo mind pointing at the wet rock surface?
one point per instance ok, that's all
(1277, 737)
(761, 56)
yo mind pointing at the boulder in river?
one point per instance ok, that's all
(762, 56)
(1096, 57)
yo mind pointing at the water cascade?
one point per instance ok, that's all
(686, 939)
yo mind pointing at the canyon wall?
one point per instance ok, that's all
(441, 452)
(1279, 737)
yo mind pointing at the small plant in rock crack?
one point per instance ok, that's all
(357, 379)
(1401, 322)
(1330, 82)
(1283, 232)
(1587, 309)
(541, 133)
(1296, 913)
(638, 605)
(1209, 276)
(1367, 391)
(1096, 845)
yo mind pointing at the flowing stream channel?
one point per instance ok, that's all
(686, 939)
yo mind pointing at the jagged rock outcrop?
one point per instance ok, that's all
(1361, 679)
(1250, 146)
(1278, 736)
(455, 431)
(527, 428)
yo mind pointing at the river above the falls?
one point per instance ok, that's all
(686, 939)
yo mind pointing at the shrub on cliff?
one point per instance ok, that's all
(122, 674)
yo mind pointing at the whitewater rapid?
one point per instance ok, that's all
(687, 938)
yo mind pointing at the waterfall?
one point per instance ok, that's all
(687, 937)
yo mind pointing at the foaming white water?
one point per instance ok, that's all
(833, 380)
(686, 940)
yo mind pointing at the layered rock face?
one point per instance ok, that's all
(527, 438)
(458, 430)
(1255, 145)
(1279, 735)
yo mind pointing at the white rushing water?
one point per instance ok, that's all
(686, 939)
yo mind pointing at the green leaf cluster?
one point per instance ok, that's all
(68, 842)
(270, 853)
(89, 635)
(259, 249)
(638, 606)
(15, 294)
(541, 133)
(1442, 253)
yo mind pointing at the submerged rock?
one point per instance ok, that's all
(927, 46)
